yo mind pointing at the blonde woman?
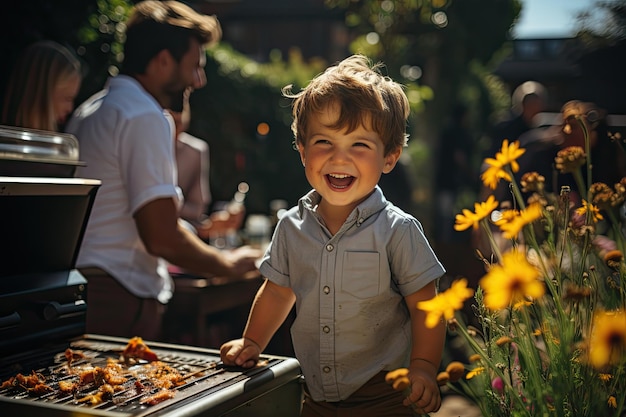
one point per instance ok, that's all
(42, 88)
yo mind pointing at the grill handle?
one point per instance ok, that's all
(11, 320)
(54, 310)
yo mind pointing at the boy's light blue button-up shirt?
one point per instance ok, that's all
(351, 318)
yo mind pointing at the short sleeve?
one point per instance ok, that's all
(275, 263)
(148, 159)
(413, 261)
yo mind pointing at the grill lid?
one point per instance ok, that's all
(42, 296)
(43, 222)
(31, 153)
(40, 145)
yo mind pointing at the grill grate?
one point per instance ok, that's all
(139, 393)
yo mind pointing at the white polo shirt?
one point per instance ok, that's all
(126, 140)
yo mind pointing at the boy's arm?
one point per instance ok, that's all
(270, 308)
(427, 349)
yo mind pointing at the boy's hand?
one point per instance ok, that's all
(240, 352)
(425, 396)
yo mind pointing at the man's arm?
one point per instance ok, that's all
(163, 236)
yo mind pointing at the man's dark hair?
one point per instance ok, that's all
(157, 25)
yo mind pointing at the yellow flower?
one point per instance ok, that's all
(443, 378)
(570, 159)
(476, 371)
(398, 379)
(401, 384)
(521, 304)
(493, 175)
(503, 340)
(458, 291)
(395, 374)
(512, 225)
(509, 153)
(595, 212)
(607, 345)
(601, 195)
(466, 220)
(605, 377)
(532, 181)
(613, 258)
(446, 303)
(507, 156)
(455, 370)
(481, 210)
(619, 195)
(475, 357)
(516, 279)
(612, 402)
(506, 216)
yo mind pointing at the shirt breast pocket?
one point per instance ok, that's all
(361, 274)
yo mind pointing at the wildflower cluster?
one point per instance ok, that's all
(550, 338)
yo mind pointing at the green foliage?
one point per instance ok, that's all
(604, 23)
(240, 94)
(100, 42)
(442, 51)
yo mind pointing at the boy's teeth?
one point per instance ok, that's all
(339, 175)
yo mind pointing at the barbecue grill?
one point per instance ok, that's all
(43, 306)
(37, 153)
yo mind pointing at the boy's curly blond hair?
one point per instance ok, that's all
(360, 90)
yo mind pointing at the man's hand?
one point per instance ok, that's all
(221, 222)
(243, 259)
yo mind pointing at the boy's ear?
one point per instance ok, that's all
(300, 149)
(391, 159)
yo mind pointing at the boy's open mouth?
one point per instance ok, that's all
(339, 180)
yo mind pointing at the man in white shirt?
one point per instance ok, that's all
(126, 141)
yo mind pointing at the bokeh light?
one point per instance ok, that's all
(263, 129)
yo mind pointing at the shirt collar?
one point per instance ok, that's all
(127, 82)
(372, 205)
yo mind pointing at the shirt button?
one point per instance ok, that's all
(326, 369)
(326, 329)
(329, 247)
(326, 290)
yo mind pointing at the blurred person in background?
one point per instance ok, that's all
(192, 161)
(542, 144)
(126, 140)
(527, 101)
(43, 85)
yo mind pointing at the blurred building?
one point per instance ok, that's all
(569, 70)
(259, 28)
